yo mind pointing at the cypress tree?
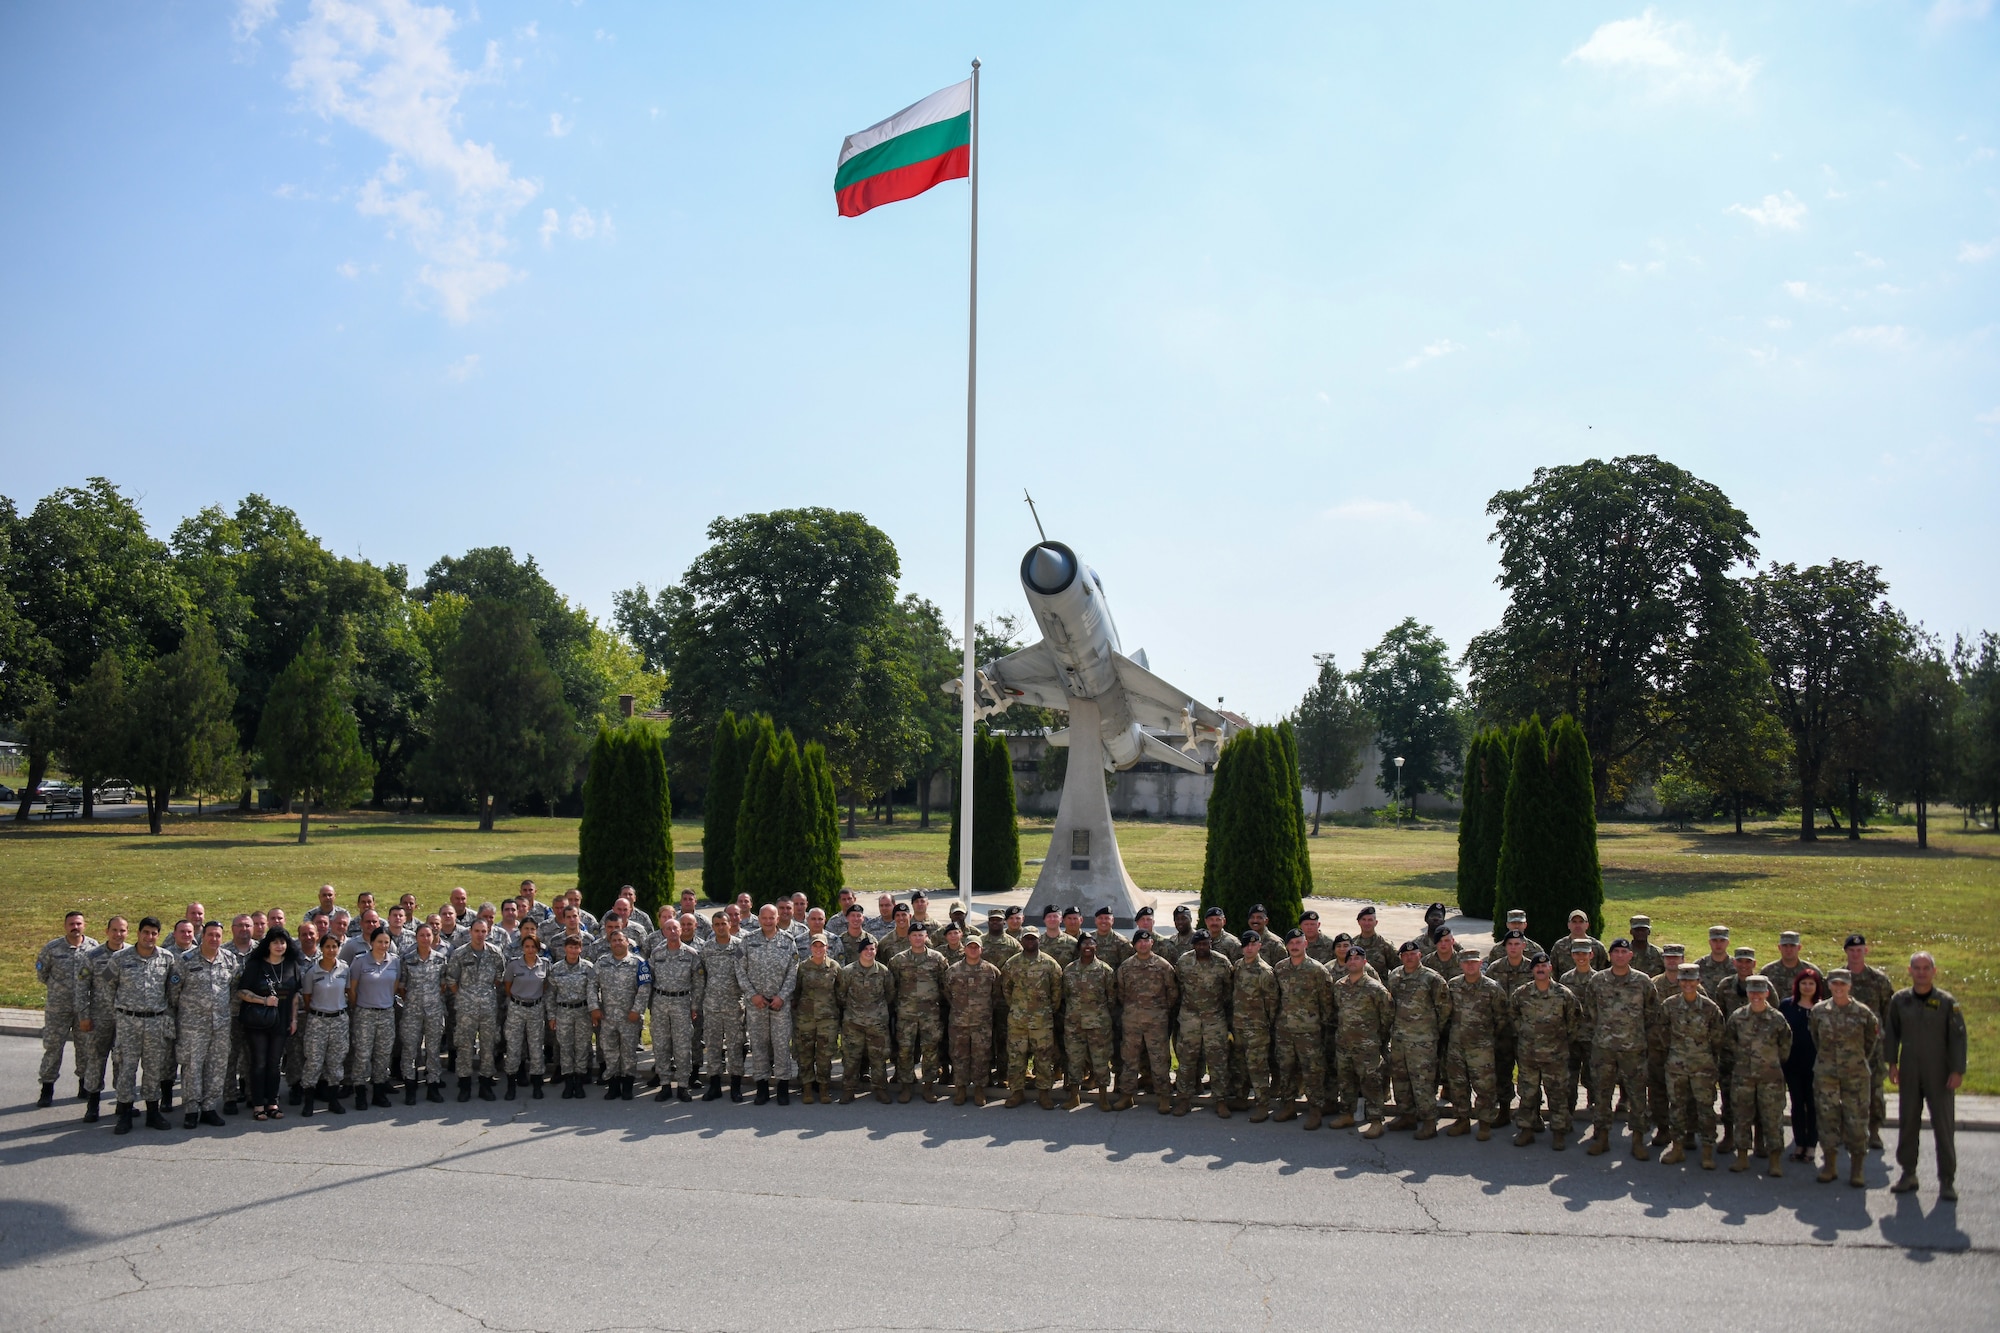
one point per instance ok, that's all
(996, 833)
(794, 822)
(749, 850)
(1575, 878)
(1221, 806)
(1256, 861)
(720, 807)
(823, 888)
(1472, 891)
(598, 831)
(1526, 854)
(626, 834)
(1296, 786)
(958, 795)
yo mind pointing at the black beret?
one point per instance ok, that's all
(1251, 937)
(1255, 908)
(1410, 946)
(1142, 934)
(1855, 941)
(1309, 916)
(1621, 943)
(1294, 934)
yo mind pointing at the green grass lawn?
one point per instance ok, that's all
(1946, 900)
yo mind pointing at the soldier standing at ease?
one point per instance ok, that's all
(1577, 981)
(143, 981)
(1717, 965)
(816, 1020)
(1846, 1034)
(1253, 1005)
(526, 984)
(1148, 989)
(867, 995)
(1364, 1013)
(1729, 996)
(1423, 1009)
(920, 972)
(1624, 1008)
(422, 992)
(1693, 1026)
(1305, 1004)
(677, 985)
(325, 1020)
(208, 999)
(1873, 988)
(1513, 970)
(721, 1006)
(1757, 1039)
(96, 1017)
(1034, 988)
(56, 967)
(1924, 1043)
(372, 979)
(972, 998)
(473, 979)
(1479, 1012)
(1786, 968)
(1647, 957)
(624, 992)
(572, 1001)
(1207, 986)
(1547, 1016)
(767, 971)
(1089, 1010)
(1666, 985)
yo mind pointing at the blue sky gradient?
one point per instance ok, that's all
(1274, 297)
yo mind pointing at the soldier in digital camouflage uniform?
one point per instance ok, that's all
(324, 997)
(767, 972)
(473, 979)
(1147, 993)
(721, 1005)
(1546, 1018)
(572, 996)
(142, 979)
(972, 998)
(95, 1014)
(1034, 986)
(1693, 1027)
(207, 1003)
(1847, 1034)
(867, 995)
(56, 967)
(1479, 1013)
(1423, 1009)
(816, 1020)
(526, 983)
(624, 993)
(678, 981)
(1364, 1015)
(1207, 985)
(1253, 1010)
(423, 1017)
(1757, 1039)
(1305, 1003)
(920, 972)
(1089, 1010)
(1873, 988)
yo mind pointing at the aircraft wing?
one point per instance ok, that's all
(1028, 676)
(1157, 704)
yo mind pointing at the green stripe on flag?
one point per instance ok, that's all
(919, 145)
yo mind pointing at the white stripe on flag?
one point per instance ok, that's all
(941, 105)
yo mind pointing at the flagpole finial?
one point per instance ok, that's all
(975, 62)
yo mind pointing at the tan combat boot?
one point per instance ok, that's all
(1312, 1115)
(883, 1095)
(1287, 1110)
(846, 1093)
(979, 1094)
(1777, 1161)
(1484, 1132)
(1104, 1099)
(1072, 1097)
(958, 1094)
(1260, 1110)
(1122, 1101)
(1427, 1130)
(1046, 1099)
(1830, 1168)
(1742, 1162)
(1639, 1152)
(1459, 1128)
(1183, 1104)
(1523, 1137)
(1345, 1120)
(1857, 1175)
(1222, 1108)
(1165, 1104)
(1374, 1130)
(904, 1093)
(1014, 1097)
(1600, 1141)
(1707, 1156)
(1556, 1138)
(1673, 1156)
(928, 1092)
(806, 1093)
(1403, 1120)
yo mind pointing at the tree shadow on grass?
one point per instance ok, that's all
(527, 864)
(1439, 881)
(1624, 882)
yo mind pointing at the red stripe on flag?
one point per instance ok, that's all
(903, 182)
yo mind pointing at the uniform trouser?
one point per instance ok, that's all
(1145, 1034)
(1358, 1066)
(1302, 1066)
(722, 1039)
(573, 1038)
(525, 1025)
(971, 1050)
(1204, 1043)
(1413, 1068)
(770, 1034)
(204, 1050)
(476, 1035)
(1473, 1081)
(1726, 1084)
(1089, 1048)
(1578, 1074)
(1689, 1110)
(813, 1042)
(325, 1050)
(236, 1080)
(997, 1072)
(374, 1045)
(864, 1049)
(617, 1043)
(1034, 1038)
(673, 1040)
(59, 1029)
(1805, 1112)
(1537, 1080)
(1760, 1105)
(1878, 1103)
(1920, 1091)
(423, 1042)
(918, 1032)
(142, 1042)
(1843, 1108)
(1616, 1069)
(103, 1035)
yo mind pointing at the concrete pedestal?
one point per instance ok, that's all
(1084, 868)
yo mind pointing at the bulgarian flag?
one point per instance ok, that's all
(901, 157)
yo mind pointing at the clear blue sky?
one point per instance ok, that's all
(1274, 298)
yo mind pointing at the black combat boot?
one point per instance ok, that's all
(382, 1094)
(763, 1092)
(486, 1089)
(410, 1093)
(124, 1118)
(683, 1094)
(229, 1108)
(306, 1105)
(665, 1094)
(90, 1109)
(212, 1120)
(190, 1120)
(511, 1085)
(610, 1087)
(714, 1088)
(154, 1118)
(626, 1095)
(167, 1094)
(48, 1097)
(465, 1089)
(784, 1092)
(333, 1102)
(297, 1093)
(736, 1087)
(435, 1092)
(535, 1086)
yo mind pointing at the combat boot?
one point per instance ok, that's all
(382, 1095)
(1673, 1156)
(1523, 1137)
(1182, 1105)
(784, 1091)
(1014, 1097)
(1905, 1183)
(1947, 1192)
(1374, 1130)
(1428, 1130)
(1874, 1140)
(1287, 1110)
(928, 1092)
(1459, 1128)
(736, 1087)
(682, 1094)
(979, 1094)
(1404, 1120)
(1103, 1100)
(959, 1093)
(465, 1089)
(1639, 1151)
(512, 1087)
(1600, 1141)
(410, 1093)
(154, 1120)
(905, 1092)
(1260, 1111)
(48, 1097)
(1728, 1143)
(486, 1090)
(296, 1094)
(715, 1088)
(1707, 1156)
(1742, 1162)
(763, 1092)
(1484, 1132)
(846, 1093)
(124, 1118)
(1857, 1174)
(1072, 1096)
(191, 1119)
(1777, 1161)
(90, 1109)
(1121, 1101)
(1222, 1108)
(1556, 1140)
(434, 1092)
(1345, 1120)
(1829, 1169)
(882, 1094)
(212, 1120)
(1047, 1099)
(306, 1104)
(806, 1095)
(1313, 1116)
(332, 1100)
(534, 1087)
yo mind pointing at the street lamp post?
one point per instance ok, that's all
(1399, 791)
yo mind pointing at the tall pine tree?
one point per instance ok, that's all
(996, 832)
(1221, 807)
(1481, 822)
(794, 826)
(720, 807)
(1527, 854)
(748, 850)
(1575, 879)
(1296, 786)
(1255, 858)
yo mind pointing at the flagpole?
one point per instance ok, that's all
(967, 688)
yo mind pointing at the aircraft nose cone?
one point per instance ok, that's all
(1049, 568)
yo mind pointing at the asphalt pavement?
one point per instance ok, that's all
(583, 1215)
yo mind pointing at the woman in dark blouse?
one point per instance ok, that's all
(1808, 989)
(269, 990)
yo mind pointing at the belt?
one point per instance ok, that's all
(525, 1004)
(572, 1004)
(377, 1008)
(672, 994)
(328, 1013)
(143, 1013)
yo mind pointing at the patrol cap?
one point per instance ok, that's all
(1718, 932)
(1580, 947)
(1856, 941)
(995, 914)
(1788, 937)
(1575, 914)
(1294, 934)
(1141, 934)
(1756, 983)
(1622, 943)
(1410, 946)
(1468, 955)
(1745, 953)
(1517, 915)
(1674, 950)
(1688, 972)
(1309, 916)
(1840, 974)
(1250, 937)
(817, 937)
(1642, 923)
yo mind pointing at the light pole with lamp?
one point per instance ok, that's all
(1399, 791)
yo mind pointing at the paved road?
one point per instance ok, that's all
(733, 1217)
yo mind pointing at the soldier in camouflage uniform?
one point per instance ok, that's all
(1216, 922)
(1757, 1039)
(1717, 965)
(867, 996)
(1666, 984)
(56, 968)
(1479, 1013)
(1785, 969)
(143, 980)
(1364, 1016)
(207, 1002)
(1034, 988)
(95, 1015)
(1848, 1035)
(372, 978)
(472, 978)
(1319, 944)
(767, 971)
(1647, 957)
(1253, 1009)
(972, 998)
(1423, 1009)
(1000, 948)
(1381, 955)
(1147, 993)
(1055, 944)
(677, 985)
(1305, 1003)
(1577, 981)
(324, 996)
(920, 972)
(1624, 1008)
(1441, 955)
(1512, 968)
(423, 1017)
(1729, 996)
(1207, 984)
(1579, 929)
(721, 1005)
(526, 983)
(572, 997)
(1693, 1026)
(624, 993)
(1089, 1008)
(1180, 944)
(816, 1020)
(1873, 988)
(1546, 1018)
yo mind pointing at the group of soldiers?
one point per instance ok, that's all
(1348, 1030)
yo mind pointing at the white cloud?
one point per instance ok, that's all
(1782, 211)
(559, 124)
(1805, 291)
(1869, 261)
(583, 225)
(530, 33)
(386, 68)
(1442, 347)
(1377, 511)
(1971, 253)
(250, 18)
(463, 369)
(551, 226)
(1944, 13)
(1778, 322)
(1884, 337)
(1989, 418)
(348, 269)
(1667, 56)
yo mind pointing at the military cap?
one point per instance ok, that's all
(1516, 915)
(1410, 946)
(1580, 946)
(902, 909)
(1744, 951)
(1575, 914)
(995, 914)
(1366, 911)
(1213, 912)
(1343, 938)
(1251, 937)
(956, 911)
(1788, 937)
(1840, 974)
(1438, 932)
(1537, 958)
(1688, 971)
(1072, 911)
(1642, 923)
(974, 942)
(1104, 911)
(1256, 908)
(1142, 934)
(1756, 983)
(1145, 909)
(1309, 916)
(1013, 912)
(1199, 937)
(1051, 907)
(1182, 910)
(817, 937)
(1439, 908)
(917, 896)
(868, 943)
(1674, 950)
(1468, 955)
(921, 928)
(1622, 943)
(1856, 941)
(1718, 932)
(1294, 934)
(1512, 935)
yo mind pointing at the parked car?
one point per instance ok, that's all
(7, 793)
(114, 790)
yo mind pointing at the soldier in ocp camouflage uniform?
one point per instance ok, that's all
(1717, 965)
(1089, 1009)
(1693, 1026)
(1847, 1034)
(677, 985)
(1253, 1012)
(1423, 1009)
(1729, 996)
(972, 995)
(624, 993)
(1364, 1014)
(1000, 949)
(1208, 986)
(1666, 985)
(1785, 968)
(1034, 989)
(867, 996)
(95, 1014)
(1546, 1018)
(1624, 1008)
(423, 1017)
(572, 996)
(1873, 988)
(56, 967)
(1577, 982)
(1512, 968)
(1648, 957)
(1305, 1002)
(816, 1019)
(473, 979)
(920, 972)
(207, 1001)
(1757, 1039)
(1479, 1013)
(1147, 993)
